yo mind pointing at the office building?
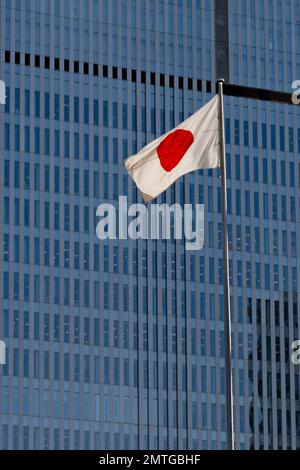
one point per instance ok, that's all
(119, 344)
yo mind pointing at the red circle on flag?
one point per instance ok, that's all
(173, 147)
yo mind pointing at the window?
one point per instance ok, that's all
(264, 135)
(36, 140)
(96, 112)
(86, 146)
(254, 131)
(17, 100)
(236, 132)
(86, 111)
(76, 109)
(291, 139)
(56, 106)
(246, 133)
(37, 104)
(7, 136)
(96, 148)
(115, 115)
(273, 137)
(105, 113)
(47, 105)
(282, 138)
(95, 70)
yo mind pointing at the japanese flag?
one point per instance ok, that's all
(191, 145)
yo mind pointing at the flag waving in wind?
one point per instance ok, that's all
(192, 145)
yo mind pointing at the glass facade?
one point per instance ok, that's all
(120, 344)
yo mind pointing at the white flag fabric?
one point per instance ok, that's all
(193, 144)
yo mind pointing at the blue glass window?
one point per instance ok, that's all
(27, 103)
(56, 142)
(67, 144)
(105, 113)
(96, 148)
(282, 139)
(264, 135)
(115, 115)
(76, 109)
(124, 116)
(37, 104)
(6, 136)
(86, 147)
(86, 111)
(105, 149)
(37, 140)
(56, 106)
(273, 137)
(236, 132)
(246, 133)
(46, 142)
(96, 112)
(66, 108)
(255, 136)
(76, 145)
(47, 105)
(282, 172)
(291, 139)
(7, 101)
(227, 130)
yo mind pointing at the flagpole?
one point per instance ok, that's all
(227, 326)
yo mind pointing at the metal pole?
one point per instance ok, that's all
(228, 369)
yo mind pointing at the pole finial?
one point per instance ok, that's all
(220, 80)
